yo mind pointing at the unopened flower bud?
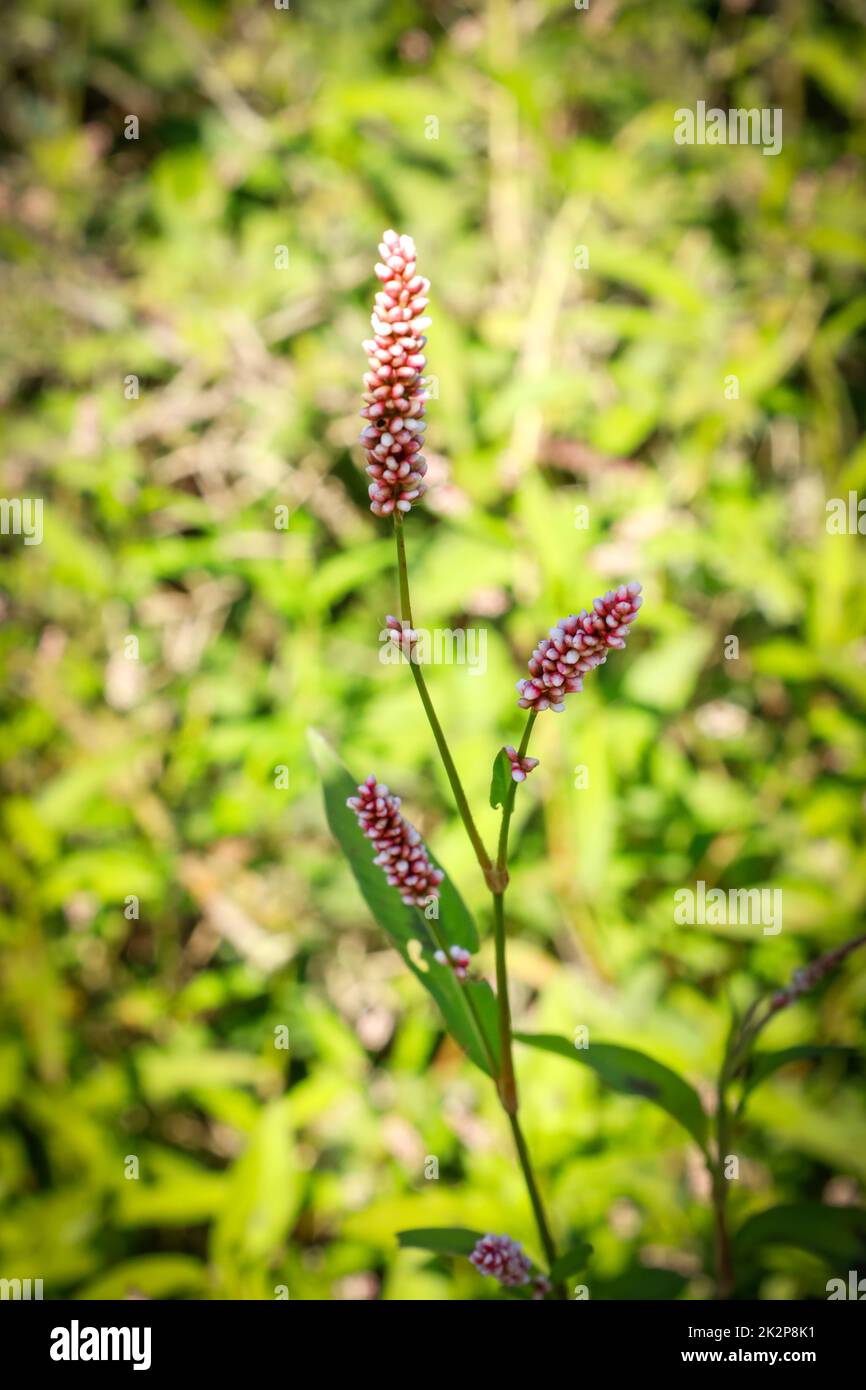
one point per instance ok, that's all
(520, 767)
(402, 635)
(458, 958)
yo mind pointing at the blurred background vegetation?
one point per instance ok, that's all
(170, 897)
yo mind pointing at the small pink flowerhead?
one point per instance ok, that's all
(394, 394)
(458, 958)
(402, 635)
(520, 767)
(500, 1257)
(576, 646)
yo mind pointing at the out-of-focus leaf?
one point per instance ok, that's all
(156, 1276)
(666, 674)
(171, 1192)
(632, 1073)
(837, 1234)
(640, 1285)
(763, 1064)
(571, 1261)
(263, 1192)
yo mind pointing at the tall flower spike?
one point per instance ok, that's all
(576, 646)
(394, 395)
(808, 976)
(401, 853)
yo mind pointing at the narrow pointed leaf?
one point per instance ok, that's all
(442, 1240)
(407, 925)
(632, 1073)
(455, 920)
(501, 779)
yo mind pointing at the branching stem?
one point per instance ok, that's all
(496, 877)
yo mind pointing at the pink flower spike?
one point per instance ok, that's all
(520, 767)
(401, 854)
(394, 393)
(576, 646)
(500, 1257)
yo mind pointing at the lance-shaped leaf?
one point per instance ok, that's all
(632, 1073)
(837, 1234)
(500, 780)
(469, 1010)
(441, 1240)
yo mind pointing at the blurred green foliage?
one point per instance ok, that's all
(504, 137)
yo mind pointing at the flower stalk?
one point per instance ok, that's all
(496, 876)
(394, 406)
(486, 864)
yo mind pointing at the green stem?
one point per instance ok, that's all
(724, 1256)
(481, 854)
(507, 1083)
(508, 807)
(534, 1196)
(496, 877)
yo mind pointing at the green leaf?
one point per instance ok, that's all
(665, 675)
(265, 1189)
(632, 1073)
(455, 920)
(406, 927)
(443, 1240)
(484, 1001)
(571, 1261)
(501, 779)
(837, 1234)
(763, 1064)
(157, 1276)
